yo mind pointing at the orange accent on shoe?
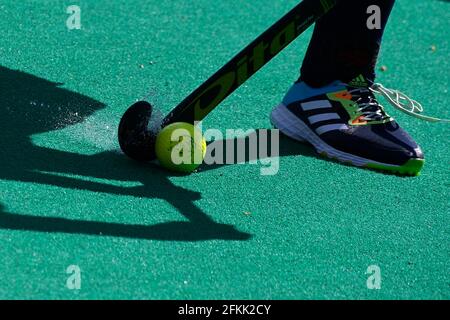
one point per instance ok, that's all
(343, 95)
(359, 120)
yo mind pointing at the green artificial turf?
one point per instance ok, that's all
(69, 197)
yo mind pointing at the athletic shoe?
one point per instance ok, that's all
(344, 121)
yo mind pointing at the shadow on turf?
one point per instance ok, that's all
(32, 105)
(287, 147)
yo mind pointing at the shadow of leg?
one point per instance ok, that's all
(170, 231)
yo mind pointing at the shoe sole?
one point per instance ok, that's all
(291, 126)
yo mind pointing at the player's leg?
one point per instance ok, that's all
(342, 46)
(332, 106)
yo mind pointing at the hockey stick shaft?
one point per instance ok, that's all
(245, 64)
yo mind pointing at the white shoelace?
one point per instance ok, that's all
(368, 106)
(403, 103)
